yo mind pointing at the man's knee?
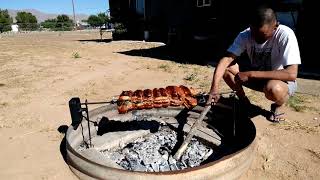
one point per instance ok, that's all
(276, 90)
(227, 74)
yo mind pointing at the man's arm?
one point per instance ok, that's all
(289, 73)
(218, 74)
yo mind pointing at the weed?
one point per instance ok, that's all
(165, 67)
(76, 55)
(296, 103)
(190, 77)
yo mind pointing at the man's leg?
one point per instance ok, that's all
(276, 91)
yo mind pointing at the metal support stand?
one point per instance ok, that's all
(78, 113)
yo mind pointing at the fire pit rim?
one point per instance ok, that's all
(70, 149)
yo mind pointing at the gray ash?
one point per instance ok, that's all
(153, 153)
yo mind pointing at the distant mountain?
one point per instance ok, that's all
(42, 16)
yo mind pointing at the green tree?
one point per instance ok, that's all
(26, 21)
(49, 23)
(64, 23)
(98, 20)
(94, 21)
(5, 21)
(104, 18)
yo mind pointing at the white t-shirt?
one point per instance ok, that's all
(279, 51)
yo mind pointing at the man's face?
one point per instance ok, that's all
(263, 33)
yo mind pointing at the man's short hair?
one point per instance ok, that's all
(262, 15)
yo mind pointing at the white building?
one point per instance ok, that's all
(14, 27)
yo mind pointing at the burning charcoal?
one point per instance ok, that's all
(181, 165)
(164, 154)
(125, 151)
(117, 157)
(149, 169)
(201, 153)
(152, 153)
(210, 151)
(174, 167)
(155, 167)
(140, 167)
(164, 167)
(125, 164)
(172, 160)
(133, 163)
(132, 155)
(161, 140)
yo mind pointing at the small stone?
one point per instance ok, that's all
(315, 118)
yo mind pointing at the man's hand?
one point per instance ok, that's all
(242, 77)
(213, 98)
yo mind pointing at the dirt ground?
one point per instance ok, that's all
(40, 72)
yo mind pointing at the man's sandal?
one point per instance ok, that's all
(275, 116)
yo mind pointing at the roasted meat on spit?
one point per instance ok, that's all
(157, 98)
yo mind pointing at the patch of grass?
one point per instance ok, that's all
(76, 55)
(190, 77)
(183, 65)
(165, 67)
(296, 103)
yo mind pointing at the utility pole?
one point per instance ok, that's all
(74, 16)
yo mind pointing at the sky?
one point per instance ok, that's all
(58, 6)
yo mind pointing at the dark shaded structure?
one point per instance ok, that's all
(205, 26)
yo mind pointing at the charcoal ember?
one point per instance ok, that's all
(131, 155)
(181, 165)
(116, 156)
(153, 153)
(161, 140)
(140, 167)
(164, 167)
(202, 153)
(134, 164)
(164, 154)
(125, 164)
(151, 158)
(149, 169)
(209, 152)
(173, 167)
(193, 162)
(155, 167)
(172, 160)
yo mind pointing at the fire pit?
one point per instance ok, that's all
(140, 144)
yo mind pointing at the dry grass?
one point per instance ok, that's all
(295, 125)
(165, 67)
(76, 55)
(304, 103)
(297, 103)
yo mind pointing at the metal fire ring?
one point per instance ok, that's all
(231, 166)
